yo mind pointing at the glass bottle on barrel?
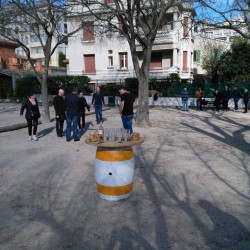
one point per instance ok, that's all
(101, 133)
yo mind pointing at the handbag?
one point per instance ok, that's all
(35, 114)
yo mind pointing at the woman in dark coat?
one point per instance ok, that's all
(32, 114)
(82, 105)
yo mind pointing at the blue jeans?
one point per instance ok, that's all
(236, 100)
(98, 113)
(69, 120)
(185, 105)
(127, 122)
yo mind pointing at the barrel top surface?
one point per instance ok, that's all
(111, 144)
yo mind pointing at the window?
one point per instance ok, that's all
(123, 60)
(197, 56)
(89, 61)
(59, 27)
(156, 60)
(185, 26)
(88, 31)
(184, 62)
(110, 62)
(36, 50)
(65, 28)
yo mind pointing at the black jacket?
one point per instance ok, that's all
(218, 99)
(236, 94)
(32, 111)
(59, 106)
(82, 105)
(246, 97)
(72, 104)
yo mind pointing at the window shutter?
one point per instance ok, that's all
(89, 63)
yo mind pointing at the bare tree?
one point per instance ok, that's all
(228, 14)
(42, 20)
(138, 21)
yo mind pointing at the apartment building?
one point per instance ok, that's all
(220, 38)
(30, 40)
(107, 58)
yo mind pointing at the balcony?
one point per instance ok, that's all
(160, 72)
(164, 36)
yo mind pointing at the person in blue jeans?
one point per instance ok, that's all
(72, 103)
(97, 102)
(184, 98)
(126, 109)
(236, 97)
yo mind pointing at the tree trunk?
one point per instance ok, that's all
(142, 72)
(44, 85)
(142, 114)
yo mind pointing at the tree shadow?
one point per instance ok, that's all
(127, 238)
(235, 237)
(227, 231)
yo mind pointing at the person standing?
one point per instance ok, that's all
(217, 101)
(126, 109)
(82, 105)
(32, 115)
(97, 101)
(59, 106)
(236, 97)
(226, 95)
(198, 96)
(184, 97)
(72, 102)
(246, 99)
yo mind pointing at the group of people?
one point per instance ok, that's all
(220, 98)
(71, 108)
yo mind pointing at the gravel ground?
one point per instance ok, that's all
(191, 186)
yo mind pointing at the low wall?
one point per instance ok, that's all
(161, 101)
(169, 101)
(176, 101)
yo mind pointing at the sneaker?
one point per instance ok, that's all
(34, 138)
(30, 138)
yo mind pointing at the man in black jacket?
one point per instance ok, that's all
(83, 105)
(72, 102)
(59, 106)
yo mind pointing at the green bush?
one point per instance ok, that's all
(111, 90)
(29, 84)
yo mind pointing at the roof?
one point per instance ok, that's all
(8, 43)
(25, 57)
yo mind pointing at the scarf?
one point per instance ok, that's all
(33, 101)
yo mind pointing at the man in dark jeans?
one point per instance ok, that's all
(126, 109)
(97, 101)
(59, 106)
(72, 102)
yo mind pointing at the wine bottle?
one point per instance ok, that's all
(101, 133)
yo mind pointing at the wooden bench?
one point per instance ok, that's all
(207, 104)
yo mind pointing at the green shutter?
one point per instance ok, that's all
(197, 56)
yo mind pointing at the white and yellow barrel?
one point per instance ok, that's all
(114, 172)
